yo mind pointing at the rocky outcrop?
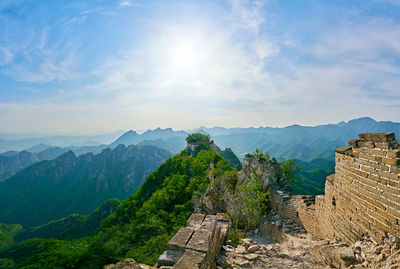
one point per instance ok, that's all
(268, 171)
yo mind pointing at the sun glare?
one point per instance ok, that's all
(185, 56)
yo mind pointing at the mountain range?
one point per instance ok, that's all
(304, 143)
(53, 189)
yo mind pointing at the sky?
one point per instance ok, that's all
(90, 66)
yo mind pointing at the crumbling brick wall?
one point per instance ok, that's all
(361, 198)
(298, 208)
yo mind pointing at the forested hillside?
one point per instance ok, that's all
(50, 190)
(140, 227)
(73, 226)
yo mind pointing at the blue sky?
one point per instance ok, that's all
(68, 66)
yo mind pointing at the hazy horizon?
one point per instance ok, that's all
(141, 131)
(102, 66)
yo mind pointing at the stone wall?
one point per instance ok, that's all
(361, 199)
(297, 208)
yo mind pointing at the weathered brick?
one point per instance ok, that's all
(377, 216)
(393, 153)
(360, 161)
(366, 156)
(388, 175)
(376, 204)
(393, 197)
(379, 166)
(383, 145)
(383, 181)
(354, 143)
(368, 169)
(391, 161)
(388, 189)
(394, 184)
(377, 137)
(366, 144)
(395, 169)
(386, 215)
(343, 150)
(393, 212)
(361, 173)
(369, 182)
(373, 152)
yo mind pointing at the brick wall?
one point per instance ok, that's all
(298, 208)
(361, 198)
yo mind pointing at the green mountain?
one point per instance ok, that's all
(7, 232)
(292, 142)
(298, 142)
(232, 159)
(71, 227)
(13, 162)
(140, 227)
(50, 190)
(312, 176)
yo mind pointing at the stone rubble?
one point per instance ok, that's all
(128, 263)
(256, 251)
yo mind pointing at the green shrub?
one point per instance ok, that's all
(235, 236)
(259, 154)
(289, 171)
(249, 201)
(197, 137)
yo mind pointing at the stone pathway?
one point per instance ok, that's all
(257, 252)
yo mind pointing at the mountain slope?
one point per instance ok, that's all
(10, 164)
(50, 190)
(301, 142)
(140, 227)
(73, 226)
(7, 231)
(313, 176)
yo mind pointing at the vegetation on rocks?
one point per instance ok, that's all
(247, 203)
(198, 137)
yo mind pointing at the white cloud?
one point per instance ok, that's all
(265, 48)
(126, 3)
(5, 56)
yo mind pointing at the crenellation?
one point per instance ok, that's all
(377, 137)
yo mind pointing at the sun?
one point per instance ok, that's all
(185, 56)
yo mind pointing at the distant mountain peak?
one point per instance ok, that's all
(67, 155)
(364, 120)
(131, 132)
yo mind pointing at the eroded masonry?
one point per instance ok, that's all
(361, 199)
